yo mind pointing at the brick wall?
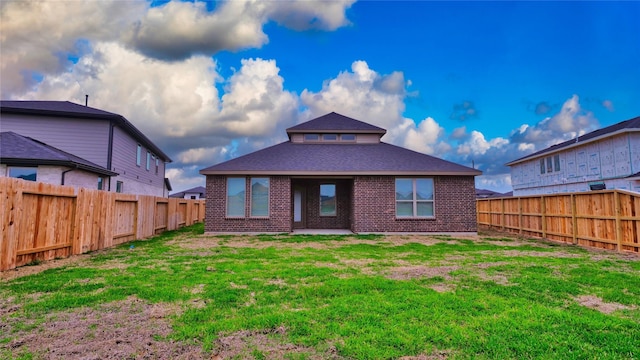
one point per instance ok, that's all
(279, 208)
(365, 205)
(374, 206)
(343, 204)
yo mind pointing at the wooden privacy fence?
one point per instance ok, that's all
(607, 219)
(42, 221)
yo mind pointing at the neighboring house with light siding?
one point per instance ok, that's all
(336, 173)
(607, 158)
(196, 193)
(97, 136)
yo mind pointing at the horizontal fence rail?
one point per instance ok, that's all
(42, 221)
(607, 219)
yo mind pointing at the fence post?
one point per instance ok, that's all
(504, 217)
(136, 232)
(10, 217)
(520, 215)
(574, 219)
(616, 200)
(543, 211)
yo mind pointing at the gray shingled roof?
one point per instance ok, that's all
(334, 122)
(198, 190)
(72, 110)
(337, 159)
(16, 149)
(628, 125)
(47, 107)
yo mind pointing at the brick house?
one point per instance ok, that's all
(336, 173)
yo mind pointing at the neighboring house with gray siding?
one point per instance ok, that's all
(607, 158)
(29, 159)
(336, 173)
(100, 137)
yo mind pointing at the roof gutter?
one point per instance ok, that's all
(65, 173)
(74, 165)
(341, 173)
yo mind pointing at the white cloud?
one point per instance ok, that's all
(37, 37)
(459, 133)
(524, 147)
(571, 121)
(178, 30)
(184, 178)
(426, 137)
(202, 155)
(362, 94)
(477, 145)
(255, 103)
(303, 15)
(498, 182)
(608, 104)
(162, 99)
(176, 105)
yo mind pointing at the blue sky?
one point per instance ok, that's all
(481, 82)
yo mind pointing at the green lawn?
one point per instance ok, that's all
(186, 295)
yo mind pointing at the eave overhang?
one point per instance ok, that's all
(340, 173)
(71, 164)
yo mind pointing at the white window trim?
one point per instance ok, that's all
(416, 201)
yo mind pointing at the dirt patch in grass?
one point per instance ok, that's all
(608, 255)
(596, 303)
(443, 288)
(8, 305)
(438, 355)
(265, 344)
(427, 240)
(414, 272)
(120, 330)
(34, 269)
(517, 253)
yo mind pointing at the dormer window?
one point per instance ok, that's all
(329, 137)
(348, 137)
(311, 137)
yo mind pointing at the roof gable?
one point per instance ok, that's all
(18, 149)
(624, 126)
(335, 123)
